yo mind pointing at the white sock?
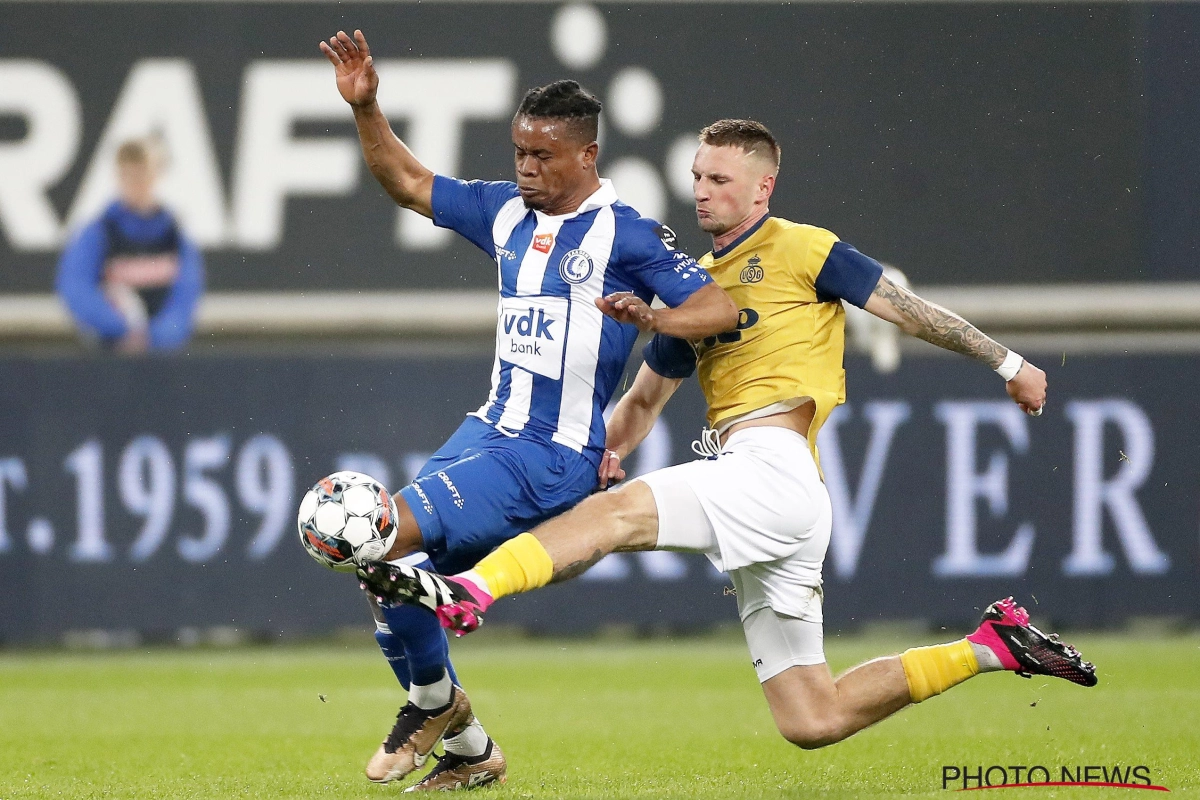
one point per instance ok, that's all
(988, 661)
(433, 695)
(475, 579)
(473, 741)
(416, 559)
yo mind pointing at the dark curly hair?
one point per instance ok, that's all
(565, 100)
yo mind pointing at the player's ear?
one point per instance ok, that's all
(766, 186)
(590, 153)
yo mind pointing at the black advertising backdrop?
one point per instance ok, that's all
(966, 143)
(158, 494)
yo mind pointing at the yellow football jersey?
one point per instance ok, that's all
(787, 279)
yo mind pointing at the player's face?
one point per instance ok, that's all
(729, 185)
(553, 165)
(136, 181)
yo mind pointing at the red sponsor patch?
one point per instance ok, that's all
(326, 485)
(543, 242)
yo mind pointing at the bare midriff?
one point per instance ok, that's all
(798, 419)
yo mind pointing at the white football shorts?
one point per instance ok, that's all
(761, 513)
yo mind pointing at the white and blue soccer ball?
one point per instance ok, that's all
(346, 520)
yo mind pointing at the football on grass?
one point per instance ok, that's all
(347, 519)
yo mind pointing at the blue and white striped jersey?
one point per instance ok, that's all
(558, 358)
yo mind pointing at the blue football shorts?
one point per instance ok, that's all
(482, 488)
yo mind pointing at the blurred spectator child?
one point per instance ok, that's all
(131, 279)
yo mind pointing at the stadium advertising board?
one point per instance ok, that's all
(1033, 144)
(157, 495)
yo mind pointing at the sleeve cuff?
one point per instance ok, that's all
(848, 275)
(670, 357)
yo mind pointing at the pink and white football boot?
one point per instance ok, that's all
(1022, 648)
(465, 614)
(459, 603)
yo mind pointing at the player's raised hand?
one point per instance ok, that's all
(357, 80)
(610, 469)
(628, 307)
(1028, 389)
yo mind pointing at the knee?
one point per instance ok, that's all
(809, 734)
(632, 515)
(611, 506)
(606, 516)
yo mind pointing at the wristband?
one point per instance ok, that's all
(1011, 366)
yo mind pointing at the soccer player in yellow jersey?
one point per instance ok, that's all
(757, 506)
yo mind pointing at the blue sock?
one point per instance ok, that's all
(417, 631)
(421, 636)
(393, 651)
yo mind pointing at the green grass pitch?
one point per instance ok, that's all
(577, 718)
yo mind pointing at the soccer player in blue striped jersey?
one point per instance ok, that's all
(577, 270)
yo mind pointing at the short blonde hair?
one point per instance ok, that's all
(751, 136)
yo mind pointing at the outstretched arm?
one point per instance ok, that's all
(707, 311)
(936, 325)
(632, 420)
(391, 162)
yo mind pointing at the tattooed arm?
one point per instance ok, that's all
(936, 325)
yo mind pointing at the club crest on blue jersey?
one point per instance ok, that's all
(576, 267)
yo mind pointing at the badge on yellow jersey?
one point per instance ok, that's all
(788, 281)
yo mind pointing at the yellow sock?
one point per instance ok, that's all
(933, 670)
(518, 565)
